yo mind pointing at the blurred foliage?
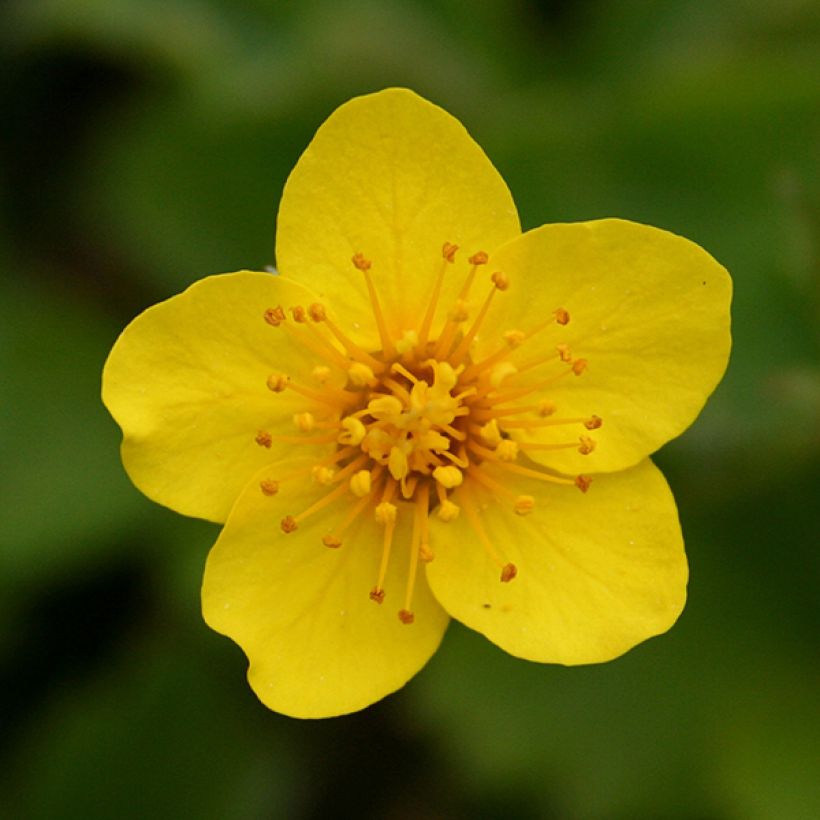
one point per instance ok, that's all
(145, 144)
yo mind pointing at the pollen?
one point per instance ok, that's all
(361, 375)
(507, 450)
(332, 542)
(586, 446)
(360, 262)
(320, 373)
(593, 422)
(353, 431)
(448, 251)
(514, 338)
(360, 483)
(500, 280)
(323, 475)
(317, 312)
(269, 487)
(289, 524)
(448, 511)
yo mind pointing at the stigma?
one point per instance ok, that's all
(419, 424)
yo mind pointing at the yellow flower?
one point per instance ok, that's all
(403, 425)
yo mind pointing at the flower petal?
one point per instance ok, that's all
(317, 645)
(186, 382)
(597, 573)
(393, 177)
(649, 311)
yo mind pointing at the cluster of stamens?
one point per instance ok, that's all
(418, 421)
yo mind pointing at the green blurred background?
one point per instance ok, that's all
(145, 144)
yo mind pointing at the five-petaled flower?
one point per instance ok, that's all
(426, 414)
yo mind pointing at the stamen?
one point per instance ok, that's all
(264, 439)
(508, 570)
(561, 316)
(386, 515)
(449, 477)
(419, 521)
(364, 266)
(459, 313)
(269, 486)
(338, 399)
(353, 513)
(448, 252)
(500, 282)
(277, 382)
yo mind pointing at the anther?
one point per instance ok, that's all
(323, 475)
(579, 366)
(460, 312)
(586, 446)
(564, 353)
(275, 315)
(361, 375)
(305, 421)
(448, 477)
(317, 312)
(321, 373)
(561, 316)
(353, 431)
(507, 450)
(277, 382)
(377, 595)
(331, 541)
(264, 439)
(524, 505)
(478, 258)
(582, 482)
(406, 617)
(269, 486)
(593, 422)
(546, 408)
(299, 314)
(448, 511)
(490, 434)
(514, 338)
(500, 280)
(425, 553)
(508, 572)
(289, 524)
(360, 483)
(360, 262)
(385, 513)
(448, 251)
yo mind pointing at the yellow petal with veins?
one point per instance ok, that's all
(187, 383)
(316, 643)
(597, 572)
(647, 310)
(393, 177)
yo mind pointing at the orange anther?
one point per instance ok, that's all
(448, 251)
(317, 312)
(289, 524)
(360, 262)
(561, 316)
(579, 366)
(582, 482)
(264, 438)
(478, 258)
(377, 595)
(275, 315)
(299, 314)
(406, 617)
(514, 337)
(332, 542)
(587, 445)
(425, 553)
(500, 280)
(546, 408)
(564, 353)
(524, 504)
(277, 382)
(593, 422)
(508, 572)
(269, 487)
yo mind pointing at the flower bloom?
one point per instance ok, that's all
(426, 414)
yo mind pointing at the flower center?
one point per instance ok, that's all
(417, 420)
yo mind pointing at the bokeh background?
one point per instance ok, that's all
(145, 144)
